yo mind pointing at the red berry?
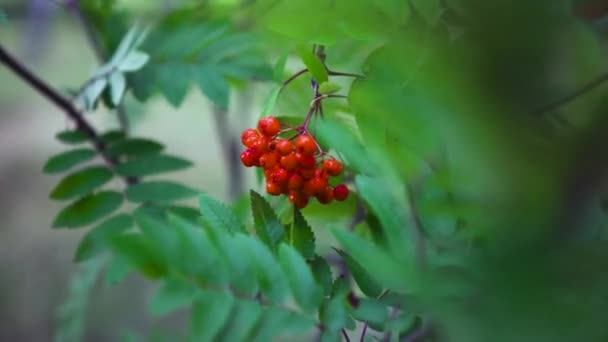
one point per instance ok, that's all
(306, 161)
(298, 199)
(305, 144)
(269, 160)
(273, 188)
(295, 182)
(341, 192)
(269, 126)
(326, 196)
(289, 162)
(307, 174)
(333, 167)
(314, 186)
(284, 146)
(249, 136)
(280, 176)
(321, 174)
(261, 145)
(248, 158)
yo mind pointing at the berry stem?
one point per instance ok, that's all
(293, 77)
(347, 74)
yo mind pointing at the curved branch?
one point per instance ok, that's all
(571, 97)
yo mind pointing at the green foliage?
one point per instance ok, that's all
(152, 164)
(88, 209)
(81, 182)
(267, 225)
(96, 240)
(313, 63)
(158, 192)
(71, 137)
(66, 160)
(134, 147)
(216, 214)
(300, 236)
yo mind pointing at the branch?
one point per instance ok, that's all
(64, 104)
(568, 98)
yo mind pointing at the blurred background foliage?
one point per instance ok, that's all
(475, 143)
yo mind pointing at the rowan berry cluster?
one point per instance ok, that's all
(296, 167)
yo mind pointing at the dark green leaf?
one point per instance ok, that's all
(66, 160)
(367, 285)
(372, 311)
(216, 214)
(270, 277)
(152, 164)
(191, 215)
(214, 86)
(134, 147)
(300, 278)
(81, 182)
(313, 63)
(113, 136)
(158, 191)
(333, 314)
(71, 137)
(140, 252)
(322, 272)
(173, 81)
(95, 240)
(267, 225)
(300, 235)
(88, 210)
(158, 233)
(172, 295)
(209, 314)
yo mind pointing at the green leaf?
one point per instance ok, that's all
(267, 225)
(396, 10)
(372, 311)
(271, 279)
(134, 147)
(81, 182)
(243, 318)
(171, 296)
(214, 86)
(367, 285)
(270, 101)
(88, 209)
(118, 84)
(152, 164)
(216, 214)
(300, 278)
(209, 314)
(173, 81)
(333, 314)
(279, 67)
(382, 266)
(66, 160)
(322, 272)
(71, 137)
(158, 191)
(430, 10)
(300, 235)
(328, 88)
(134, 61)
(116, 270)
(94, 242)
(313, 63)
(112, 136)
(140, 253)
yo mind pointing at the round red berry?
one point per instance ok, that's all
(306, 161)
(341, 192)
(333, 167)
(326, 196)
(249, 136)
(269, 160)
(284, 146)
(298, 199)
(295, 182)
(273, 188)
(307, 173)
(289, 162)
(269, 126)
(314, 186)
(248, 158)
(280, 176)
(305, 144)
(261, 145)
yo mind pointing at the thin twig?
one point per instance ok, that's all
(293, 77)
(60, 101)
(345, 335)
(100, 54)
(347, 74)
(568, 98)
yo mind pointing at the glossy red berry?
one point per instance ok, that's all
(248, 158)
(289, 162)
(298, 199)
(295, 182)
(305, 144)
(273, 188)
(306, 161)
(249, 136)
(341, 192)
(284, 146)
(333, 167)
(261, 145)
(269, 126)
(269, 160)
(280, 176)
(314, 186)
(326, 196)
(307, 173)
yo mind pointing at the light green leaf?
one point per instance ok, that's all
(243, 318)
(367, 285)
(271, 279)
(300, 235)
(333, 314)
(173, 81)
(328, 88)
(209, 314)
(270, 101)
(322, 272)
(158, 191)
(116, 270)
(300, 278)
(140, 253)
(92, 91)
(216, 214)
(134, 61)
(134, 147)
(66, 160)
(81, 182)
(171, 296)
(128, 42)
(94, 242)
(372, 311)
(214, 86)
(267, 225)
(71, 137)
(88, 210)
(152, 164)
(118, 84)
(279, 67)
(313, 63)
